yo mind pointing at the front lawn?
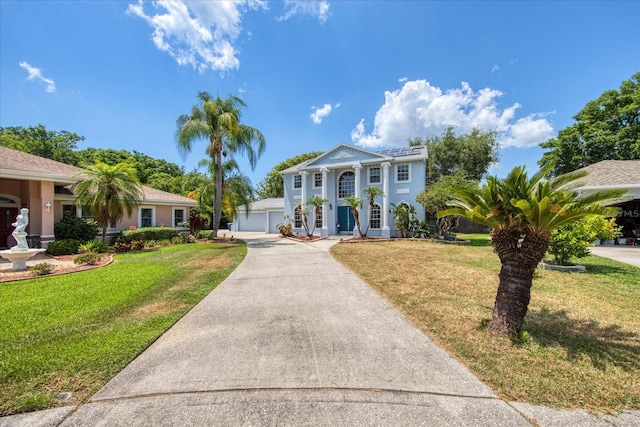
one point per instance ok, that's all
(584, 328)
(73, 333)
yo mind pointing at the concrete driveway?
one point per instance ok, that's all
(627, 254)
(292, 338)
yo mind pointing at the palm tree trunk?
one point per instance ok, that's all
(519, 258)
(217, 200)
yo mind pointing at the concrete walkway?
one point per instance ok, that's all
(293, 338)
(626, 254)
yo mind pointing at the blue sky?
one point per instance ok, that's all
(313, 74)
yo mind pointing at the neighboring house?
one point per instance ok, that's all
(42, 186)
(346, 171)
(264, 215)
(613, 175)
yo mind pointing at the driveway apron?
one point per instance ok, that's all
(293, 338)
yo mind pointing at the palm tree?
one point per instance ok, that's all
(371, 193)
(218, 121)
(109, 191)
(354, 203)
(316, 202)
(521, 213)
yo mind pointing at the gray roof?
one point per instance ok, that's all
(266, 204)
(612, 174)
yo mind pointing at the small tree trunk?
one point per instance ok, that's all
(519, 257)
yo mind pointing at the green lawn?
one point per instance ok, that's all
(72, 333)
(584, 345)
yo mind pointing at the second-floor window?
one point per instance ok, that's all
(297, 181)
(402, 173)
(347, 185)
(374, 176)
(317, 180)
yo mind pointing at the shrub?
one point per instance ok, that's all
(88, 258)
(178, 240)
(204, 234)
(285, 230)
(63, 247)
(95, 246)
(604, 229)
(150, 233)
(164, 242)
(41, 269)
(136, 245)
(192, 239)
(571, 241)
(122, 246)
(82, 229)
(150, 243)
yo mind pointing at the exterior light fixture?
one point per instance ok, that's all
(330, 206)
(47, 206)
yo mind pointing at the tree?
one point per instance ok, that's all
(272, 185)
(218, 121)
(607, 128)
(316, 202)
(109, 192)
(354, 203)
(522, 212)
(371, 193)
(435, 198)
(471, 154)
(37, 140)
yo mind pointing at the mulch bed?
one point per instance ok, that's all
(67, 266)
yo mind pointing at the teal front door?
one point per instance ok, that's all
(345, 219)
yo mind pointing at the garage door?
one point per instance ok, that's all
(255, 221)
(275, 218)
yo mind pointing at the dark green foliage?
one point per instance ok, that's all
(150, 233)
(88, 258)
(82, 229)
(54, 145)
(272, 185)
(469, 154)
(607, 128)
(95, 246)
(63, 247)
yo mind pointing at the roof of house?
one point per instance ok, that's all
(266, 204)
(612, 174)
(16, 164)
(404, 154)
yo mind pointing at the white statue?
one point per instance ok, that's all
(19, 233)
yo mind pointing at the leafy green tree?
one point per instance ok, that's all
(522, 212)
(109, 191)
(111, 157)
(354, 203)
(165, 182)
(406, 219)
(272, 185)
(371, 193)
(435, 198)
(607, 128)
(470, 154)
(37, 140)
(217, 120)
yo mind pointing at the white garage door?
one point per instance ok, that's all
(255, 221)
(275, 218)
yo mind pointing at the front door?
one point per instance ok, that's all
(345, 219)
(7, 216)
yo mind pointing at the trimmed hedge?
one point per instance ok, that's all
(150, 233)
(63, 247)
(72, 228)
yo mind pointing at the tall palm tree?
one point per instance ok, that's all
(109, 191)
(354, 203)
(218, 121)
(316, 202)
(521, 213)
(371, 193)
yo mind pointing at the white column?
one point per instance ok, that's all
(386, 231)
(325, 230)
(303, 196)
(357, 168)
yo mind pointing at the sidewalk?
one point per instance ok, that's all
(293, 338)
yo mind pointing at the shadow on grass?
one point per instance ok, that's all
(603, 345)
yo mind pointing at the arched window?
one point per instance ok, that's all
(375, 216)
(297, 217)
(347, 185)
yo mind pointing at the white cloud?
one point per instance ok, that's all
(197, 33)
(495, 68)
(36, 74)
(319, 113)
(420, 109)
(403, 79)
(319, 9)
